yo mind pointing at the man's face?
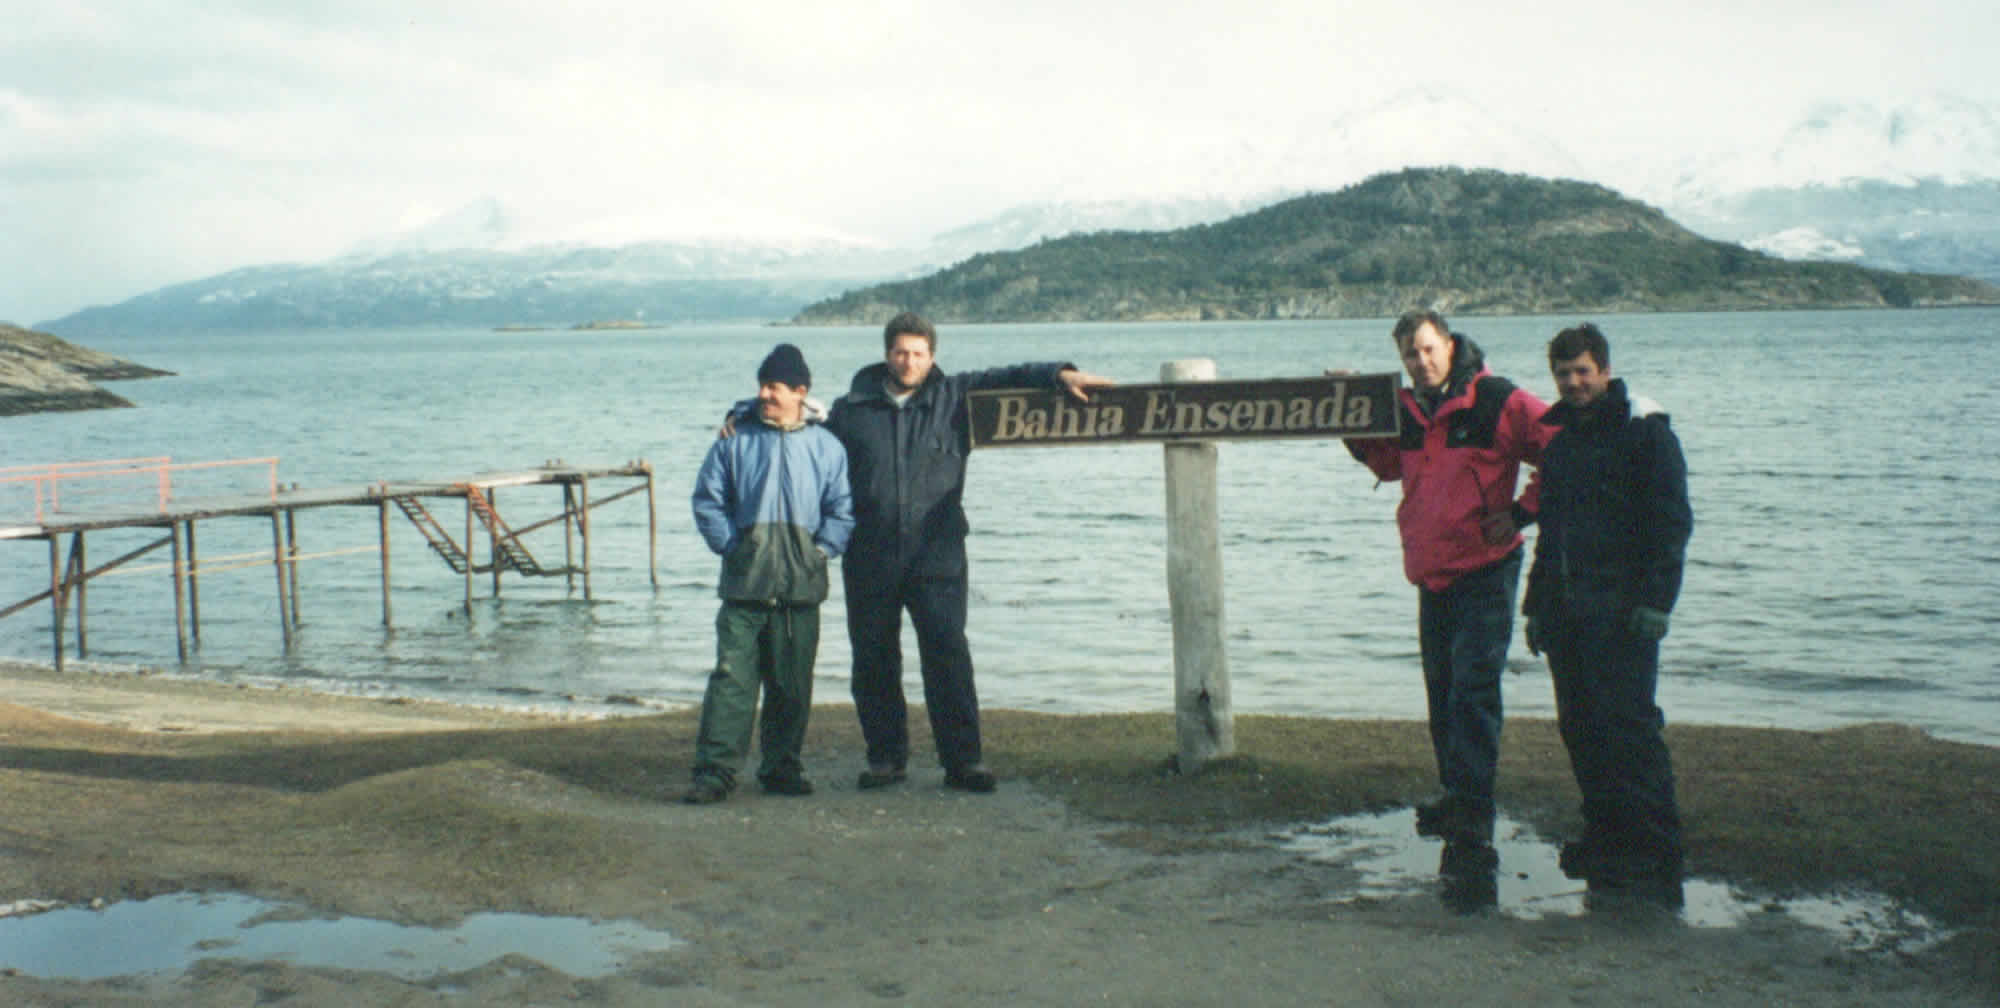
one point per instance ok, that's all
(909, 360)
(1427, 357)
(781, 404)
(1579, 381)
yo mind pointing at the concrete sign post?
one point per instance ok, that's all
(1189, 411)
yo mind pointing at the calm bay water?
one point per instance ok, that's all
(1842, 570)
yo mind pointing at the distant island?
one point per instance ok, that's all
(1461, 241)
(590, 326)
(618, 324)
(41, 373)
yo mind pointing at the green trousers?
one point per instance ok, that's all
(758, 645)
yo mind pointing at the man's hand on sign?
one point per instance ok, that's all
(1080, 383)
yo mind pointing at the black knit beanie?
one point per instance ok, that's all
(785, 364)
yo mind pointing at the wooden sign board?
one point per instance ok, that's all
(1339, 407)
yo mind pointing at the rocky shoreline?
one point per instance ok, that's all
(42, 373)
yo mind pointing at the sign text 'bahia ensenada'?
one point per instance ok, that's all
(1341, 407)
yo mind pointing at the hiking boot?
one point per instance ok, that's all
(1455, 820)
(1468, 859)
(1612, 859)
(880, 775)
(1658, 891)
(1625, 879)
(1585, 858)
(1469, 877)
(975, 778)
(706, 790)
(1430, 813)
(793, 783)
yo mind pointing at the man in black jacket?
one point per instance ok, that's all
(1615, 522)
(903, 423)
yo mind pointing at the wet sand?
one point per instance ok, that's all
(115, 786)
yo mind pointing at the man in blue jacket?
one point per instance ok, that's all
(773, 502)
(903, 423)
(1615, 523)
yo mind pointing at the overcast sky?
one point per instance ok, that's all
(149, 142)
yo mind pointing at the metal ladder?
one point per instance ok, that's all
(434, 533)
(509, 554)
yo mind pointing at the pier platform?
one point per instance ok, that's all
(55, 502)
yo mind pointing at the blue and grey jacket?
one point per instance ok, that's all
(775, 505)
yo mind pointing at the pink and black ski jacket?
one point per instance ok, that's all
(1458, 463)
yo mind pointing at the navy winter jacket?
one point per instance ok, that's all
(1615, 517)
(907, 467)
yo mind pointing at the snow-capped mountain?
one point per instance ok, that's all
(1413, 130)
(1939, 138)
(1273, 161)
(488, 225)
(1806, 243)
(480, 224)
(548, 285)
(486, 264)
(1241, 174)
(1914, 186)
(1025, 225)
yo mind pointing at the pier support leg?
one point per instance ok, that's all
(58, 598)
(193, 586)
(179, 568)
(284, 589)
(652, 533)
(382, 522)
(493, 536)
(1203, 716)
(569, 532)
(292, 560)
(468, 552)
(82, 588)
(583, 524)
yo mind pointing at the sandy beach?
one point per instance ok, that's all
(117, 786)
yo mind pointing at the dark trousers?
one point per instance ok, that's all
(1605, 681)
(875, 630)
(758, 645)
(1463, 632)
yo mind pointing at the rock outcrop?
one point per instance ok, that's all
(41, 373)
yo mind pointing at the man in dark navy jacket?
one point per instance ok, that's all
(904, 425)
(1615, 522)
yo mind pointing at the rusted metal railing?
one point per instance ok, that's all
(48, 480)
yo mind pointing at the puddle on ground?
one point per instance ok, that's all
(170, 933)
(1393, 861)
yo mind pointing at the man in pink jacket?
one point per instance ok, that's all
(1465, 433)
